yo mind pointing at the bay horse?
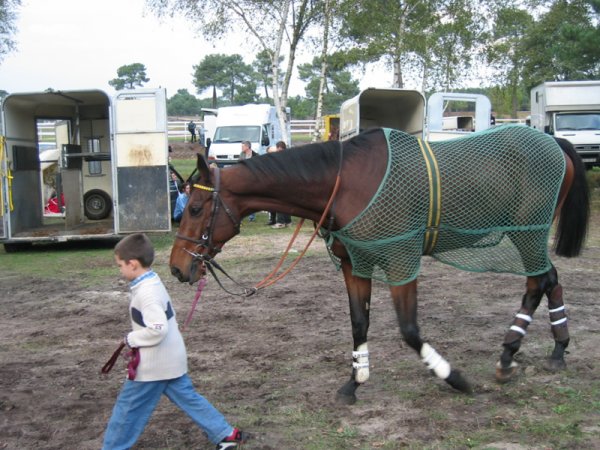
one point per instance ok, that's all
(435, 201)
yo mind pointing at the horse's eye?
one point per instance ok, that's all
(195, 210)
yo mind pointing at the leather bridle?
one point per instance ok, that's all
(205, 243)
(205, 246)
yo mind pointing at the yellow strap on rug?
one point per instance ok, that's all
(435, 198)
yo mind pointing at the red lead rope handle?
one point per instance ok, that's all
(111, 362)
(201, 285)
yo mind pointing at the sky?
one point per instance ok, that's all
(80, 44)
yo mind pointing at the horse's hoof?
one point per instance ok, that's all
(458, 382)
(504, 375)
(555, 365)
(345, 399)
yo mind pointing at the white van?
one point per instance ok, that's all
(257, 124)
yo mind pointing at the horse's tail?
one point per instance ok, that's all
(572, 224)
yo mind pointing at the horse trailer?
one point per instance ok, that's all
(104, 173)
(400, 109)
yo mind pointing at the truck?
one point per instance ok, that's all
(256, 123)
(570, 110)
(105, 175)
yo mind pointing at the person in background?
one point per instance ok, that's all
(283, 220)
(272, 214)
(181, 203)
(248, 153)
(192, 130)
(158, 363)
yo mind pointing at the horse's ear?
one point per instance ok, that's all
(202, 167)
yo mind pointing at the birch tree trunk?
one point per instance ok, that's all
(324, 50)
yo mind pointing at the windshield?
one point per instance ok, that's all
(237, 134)
(578, 121)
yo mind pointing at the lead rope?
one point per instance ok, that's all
(267, 281)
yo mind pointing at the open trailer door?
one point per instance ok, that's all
(141, 170)
(4, 191)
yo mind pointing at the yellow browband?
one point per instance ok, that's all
(204, 188)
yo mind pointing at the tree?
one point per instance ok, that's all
(267, 25)
(129, 77)
(338, 85)
(507, 55)
(183, 104)
(563, 43)
(229, 74)
(424, 39)
(263, 67)
(8, 16)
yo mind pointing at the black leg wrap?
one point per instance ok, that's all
(458, 382)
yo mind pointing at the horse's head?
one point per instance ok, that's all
(207, 223)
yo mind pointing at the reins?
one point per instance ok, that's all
(267, 281)
(272, 277)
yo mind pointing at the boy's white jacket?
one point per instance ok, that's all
(155, 331)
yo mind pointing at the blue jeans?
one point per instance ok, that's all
(137, 401)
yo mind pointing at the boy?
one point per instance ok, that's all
(161, 356)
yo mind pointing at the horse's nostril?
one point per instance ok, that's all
(176, 272)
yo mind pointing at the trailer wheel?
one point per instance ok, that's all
(97, 204)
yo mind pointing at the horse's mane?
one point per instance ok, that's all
(308, 162)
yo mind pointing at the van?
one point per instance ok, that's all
(256, 123)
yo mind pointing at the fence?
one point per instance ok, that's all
(177, 129)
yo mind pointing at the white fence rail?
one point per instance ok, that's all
(177, 129)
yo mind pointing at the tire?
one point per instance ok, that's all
(97, 204)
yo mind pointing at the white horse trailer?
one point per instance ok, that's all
(106, 173)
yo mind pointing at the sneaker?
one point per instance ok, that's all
(235, 440)
(279, 225)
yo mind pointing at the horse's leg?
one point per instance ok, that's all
(359, 296)
(405, 303)
(558, 324)
(536, 287)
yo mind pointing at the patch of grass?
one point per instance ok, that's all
(184, 167)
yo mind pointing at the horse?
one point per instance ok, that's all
(338, 181)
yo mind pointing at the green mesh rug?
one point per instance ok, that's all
(480, 203)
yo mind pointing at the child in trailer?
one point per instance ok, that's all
(159, 364)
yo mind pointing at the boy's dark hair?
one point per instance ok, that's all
(136, 246)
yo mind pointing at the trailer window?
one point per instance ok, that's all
(94, 167)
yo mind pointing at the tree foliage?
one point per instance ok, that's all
(339, 85)
(183, 104)
(229, 74)
(8, 17)
(129, 77)
(266, 26)
(431, 40)
(434, 44)
(563, 44)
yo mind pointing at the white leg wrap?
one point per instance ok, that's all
(361, 363)
(435, 362)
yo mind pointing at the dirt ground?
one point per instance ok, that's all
(273, 362)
